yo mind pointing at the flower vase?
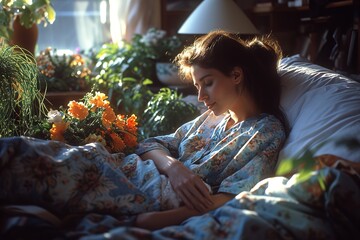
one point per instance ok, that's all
(23, 37)
(167, 74)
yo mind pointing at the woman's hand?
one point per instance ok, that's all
(189, 187)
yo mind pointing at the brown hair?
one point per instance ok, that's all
(258, 58)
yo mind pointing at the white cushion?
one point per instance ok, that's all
(321, 106)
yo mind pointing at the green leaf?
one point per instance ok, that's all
(285, 166)
(303, 175)
(51, 14)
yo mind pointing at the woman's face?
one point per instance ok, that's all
(217, 91)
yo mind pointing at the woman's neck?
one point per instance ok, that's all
(244, 108)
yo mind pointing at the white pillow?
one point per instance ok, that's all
(321, 106)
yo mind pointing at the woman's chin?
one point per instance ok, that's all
(217, 112)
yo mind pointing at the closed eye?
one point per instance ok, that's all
(208, 83)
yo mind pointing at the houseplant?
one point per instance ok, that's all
(15, 14)
(137, 59)
(163, 50)
(161, 47)
(165, 112)
(21, 104)
(124, 71)
(63, 72)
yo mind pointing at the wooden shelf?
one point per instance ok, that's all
(56, 99)
(281, 8)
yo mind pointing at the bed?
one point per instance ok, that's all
(323, 109)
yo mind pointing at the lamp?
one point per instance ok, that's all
(217, 14)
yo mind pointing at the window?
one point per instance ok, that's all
(79, 25)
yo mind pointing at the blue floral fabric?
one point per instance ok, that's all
(81, 179)
(276, 208)
(231, 160)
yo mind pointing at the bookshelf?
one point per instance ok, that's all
(308, 30)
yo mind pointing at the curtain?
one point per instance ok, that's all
(128, 17)
(88, 21)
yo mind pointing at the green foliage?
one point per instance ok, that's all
(165, 112)
(114, 62)
(135, 59)
(21, 103)
(131, 96)
(30, 12)
(124, 72)
(305, 163)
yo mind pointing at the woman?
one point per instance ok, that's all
(204, 164)
(235, 143)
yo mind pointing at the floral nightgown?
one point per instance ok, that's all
(78, 179)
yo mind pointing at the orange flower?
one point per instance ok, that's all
(99, 100)
(108, 117)
(132, 124)
(57, 131)
(131, 121)
(77, 110)
(120, 121)
(117, 144)
(130, 140)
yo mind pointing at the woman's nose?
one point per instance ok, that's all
(201, 95)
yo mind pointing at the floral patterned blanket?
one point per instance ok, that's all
(276, 208)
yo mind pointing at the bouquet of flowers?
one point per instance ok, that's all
(94, 120)
(63, 72)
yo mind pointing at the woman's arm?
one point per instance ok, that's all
(157, 220)
(161, 159)
(189, 187)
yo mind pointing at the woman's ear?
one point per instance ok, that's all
(237, 74)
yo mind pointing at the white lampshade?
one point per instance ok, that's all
(217, 14)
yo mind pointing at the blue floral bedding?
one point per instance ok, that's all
(276, 208)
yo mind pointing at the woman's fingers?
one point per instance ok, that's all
(184, 197)
(196, 196)
(190, 188)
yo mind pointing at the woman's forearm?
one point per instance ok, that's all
(157, 220)
(161, 159)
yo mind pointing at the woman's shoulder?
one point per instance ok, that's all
(270, 123)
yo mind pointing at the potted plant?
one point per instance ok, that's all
(24, 15)
(163, 49)
(63, 76)
(147, 56)
(165, 112)
(21, 104)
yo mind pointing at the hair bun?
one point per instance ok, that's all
(266, 51)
